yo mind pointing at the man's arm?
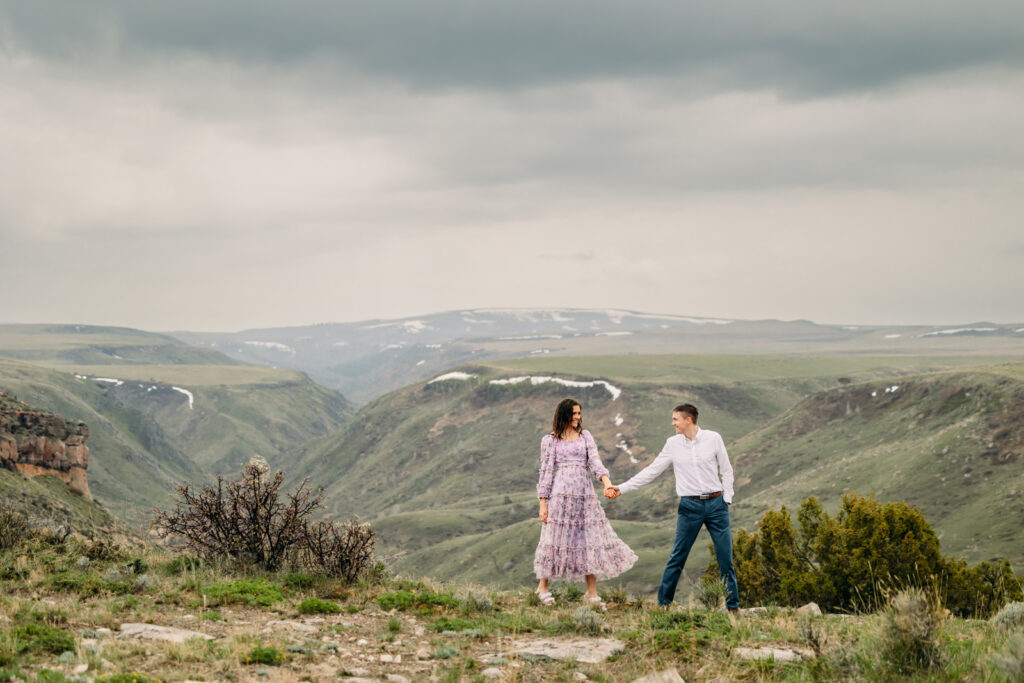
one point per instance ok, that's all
(725, 470)
(649, 473)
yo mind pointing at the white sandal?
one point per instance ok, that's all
(598, 603)
(546, 599)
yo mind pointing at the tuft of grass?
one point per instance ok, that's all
(318, 606)
(264, 654)
(450, 624)
(424, 600)
(1010, 616)
(252, 592)
(587, 621)
(567, 593)
(711, 592)
(35, 637)
(394, 625)
(445, 652)
(133, 677)
(1010, 661)
(910, 635)
(302, 581)
(212, 615)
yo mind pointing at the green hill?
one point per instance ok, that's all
(949, 443)
(153, 426)
(446, 469)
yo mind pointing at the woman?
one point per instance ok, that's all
(576, 540)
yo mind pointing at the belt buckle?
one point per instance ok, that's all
(704, 496)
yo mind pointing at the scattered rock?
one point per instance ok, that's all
(104, 632)
(359, 672)
(154, 632)
(778, 654)
(294, 626)
(419, 631)
(579, 676)
(362, 642)
(586, 650)
(80, 669)
(754, 610)
(666, 676)
(810, 608)
(396, 678)
(386, 659)
(492, 672)
(422, 654)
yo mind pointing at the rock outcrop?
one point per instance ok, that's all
(37, 443)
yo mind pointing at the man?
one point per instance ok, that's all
(704, 485)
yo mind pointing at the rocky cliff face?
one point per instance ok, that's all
(36, 443)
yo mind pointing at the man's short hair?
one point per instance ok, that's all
(687, 409)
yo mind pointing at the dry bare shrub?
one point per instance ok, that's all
(246, 521)
(14, 526)
(344, 551)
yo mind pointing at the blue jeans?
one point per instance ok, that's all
(694, 513)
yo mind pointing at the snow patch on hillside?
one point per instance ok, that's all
(274, 346)
(410, 326)
(191, 398)
(958, 330)
(109, 380)
(618, 419)
(613, 334)
(893, 336)
(535, 380)
(452, 375)
(531, 336)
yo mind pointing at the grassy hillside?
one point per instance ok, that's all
(145, 437)
(446, 470)
(90, 344)
(949, 443)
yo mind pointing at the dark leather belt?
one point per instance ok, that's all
(706, 496)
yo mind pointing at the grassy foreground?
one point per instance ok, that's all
(63, 602)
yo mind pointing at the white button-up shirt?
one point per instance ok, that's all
(701, 465)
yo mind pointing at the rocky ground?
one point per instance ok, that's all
(81, 610)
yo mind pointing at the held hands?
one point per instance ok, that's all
(612, 492)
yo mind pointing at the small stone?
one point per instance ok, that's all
(579, 676)
(398, 659)
(386, 659)
(492, 672)
(810, 608)
(419, 631)
(359, 672)
(103, 631)
(362, 642)
(263, 672)
(666, 676)
(422, 654)
(758, 653)
(396, 678)
(80, 669)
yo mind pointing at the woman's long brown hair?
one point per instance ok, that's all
(563, 417)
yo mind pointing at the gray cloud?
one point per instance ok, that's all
(228, 165)
(796, 47)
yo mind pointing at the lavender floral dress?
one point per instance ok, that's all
(577, 539)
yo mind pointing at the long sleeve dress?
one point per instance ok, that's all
(577, 539)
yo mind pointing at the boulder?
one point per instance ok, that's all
(154, 632)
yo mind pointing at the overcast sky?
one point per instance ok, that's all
(224, 165)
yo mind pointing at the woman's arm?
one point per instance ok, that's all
(547, 475)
